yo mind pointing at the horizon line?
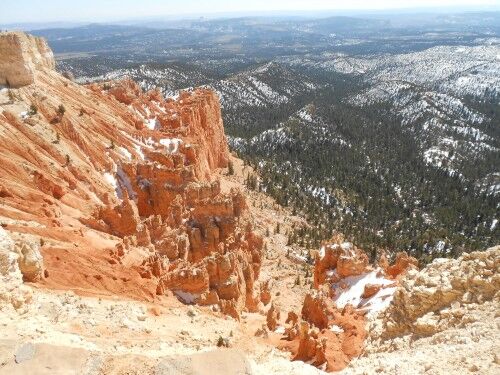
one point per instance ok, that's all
(181, 16)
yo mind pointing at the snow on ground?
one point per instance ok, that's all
(354, 287)
(171, 144)
(336, 329)
(151, 123)
(305, 115)
(125, 153)
(186, 297)
(125, 182)
(493, 224)
(280, 330)
(110, 179)
(435, 156)
(138, 149)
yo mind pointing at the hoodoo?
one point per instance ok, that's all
(119, 186)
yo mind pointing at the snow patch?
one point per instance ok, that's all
(138, 149)
(125, 153)
(336, 329)
(110, 179)
(152, 123)
(280, 330)
(171, 144)
(493, 224)
(186, 297)
(354, 288)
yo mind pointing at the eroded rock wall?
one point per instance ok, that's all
(120, 187)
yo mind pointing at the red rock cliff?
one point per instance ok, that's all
(119, 186)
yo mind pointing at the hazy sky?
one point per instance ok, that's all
(13, 11)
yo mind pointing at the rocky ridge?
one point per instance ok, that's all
(438, 297)
(20, 56)
(443, 320)
(118, 187)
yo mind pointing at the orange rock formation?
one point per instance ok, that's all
(325, 336)
(119, 185)
(347, 260)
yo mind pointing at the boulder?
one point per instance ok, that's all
(370, 290)
(30, 260)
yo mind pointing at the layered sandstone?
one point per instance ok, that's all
(119, 187)
(20, 56)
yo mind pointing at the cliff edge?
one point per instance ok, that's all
(21, 55)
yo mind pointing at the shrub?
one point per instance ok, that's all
(61, 110)
(11, 96)
(223, 342)
(33, 110)
(230, 169)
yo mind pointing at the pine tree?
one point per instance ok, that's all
(230, 168)
(61, 110)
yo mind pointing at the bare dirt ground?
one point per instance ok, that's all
(63, 333)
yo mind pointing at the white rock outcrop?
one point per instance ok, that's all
(21, 55)
(444, 319)
(433, 299)
(12, 291)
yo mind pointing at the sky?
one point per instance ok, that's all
(17, 11)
